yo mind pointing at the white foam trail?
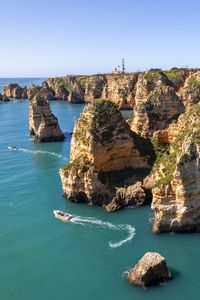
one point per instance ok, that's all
(107, 225)
(35, 152)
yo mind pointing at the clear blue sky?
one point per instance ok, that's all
(59, 37)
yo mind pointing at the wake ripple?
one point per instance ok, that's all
(107, 225)
(36, 152)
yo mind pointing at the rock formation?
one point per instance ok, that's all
(105, 155)
(176, 191)
(151, 269)
(190, 93)
(15, 91)
(43, 125)
(156, 103)
(118, 88)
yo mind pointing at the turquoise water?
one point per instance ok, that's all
(45, 259)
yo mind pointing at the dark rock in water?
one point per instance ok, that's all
(149, 270)
(15, 91)
(4, 98)
(43, 125)
(133, 195)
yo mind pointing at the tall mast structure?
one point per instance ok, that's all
(123, 65)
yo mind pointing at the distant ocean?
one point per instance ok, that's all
(42, 258)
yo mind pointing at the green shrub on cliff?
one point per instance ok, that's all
(176, 76)
(166, 155)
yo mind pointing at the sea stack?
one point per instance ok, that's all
(151, 269)
(15, 91)
(43, 125)
(176, 191)
(105, 155)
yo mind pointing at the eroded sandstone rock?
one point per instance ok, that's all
(176, 191)
(156, 103)
(15, 91)
(43, 125)
(190, 93)
(119, 88)
(104, 155)
(151, 269)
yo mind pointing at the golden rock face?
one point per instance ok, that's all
(189, 94)
(156, 104)
(176, 193)
(102, 143)
(43, 125)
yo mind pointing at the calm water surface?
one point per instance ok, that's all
(43, 258)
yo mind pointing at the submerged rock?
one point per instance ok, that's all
(15, 91)
(104, 155)
(151, 269)
(43, 125)
(176, 191)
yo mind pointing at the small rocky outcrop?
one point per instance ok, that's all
(190, 93)
(156, 103)
(4, 98)
(43, 125)
(104, 156)
(176, 191)
(134, 195)
(151, 269)
(15, 91)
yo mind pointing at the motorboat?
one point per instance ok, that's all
(13, 148)
(63, 216)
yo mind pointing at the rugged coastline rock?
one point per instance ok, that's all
(156, 103)
(190, 93)
(104, 156)
(151, 269)
(119, 88)
(43, 125)
(15, 91)
(176, 190)
(4, 98)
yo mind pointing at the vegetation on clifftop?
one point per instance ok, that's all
(167, 154)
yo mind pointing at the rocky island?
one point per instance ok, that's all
(43, 125)
(151, 269)
(107, 160)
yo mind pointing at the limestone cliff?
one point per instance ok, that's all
(104, 156)
(190, 93)
(156, 103)
(15, 91)
(43, 125)
(119, 88)
(176, 192)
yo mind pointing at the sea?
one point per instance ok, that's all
(43, 258)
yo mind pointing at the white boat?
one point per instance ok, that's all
(59, 214)
(13, 148)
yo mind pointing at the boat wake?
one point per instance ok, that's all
(36, 152)
(107, 225)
